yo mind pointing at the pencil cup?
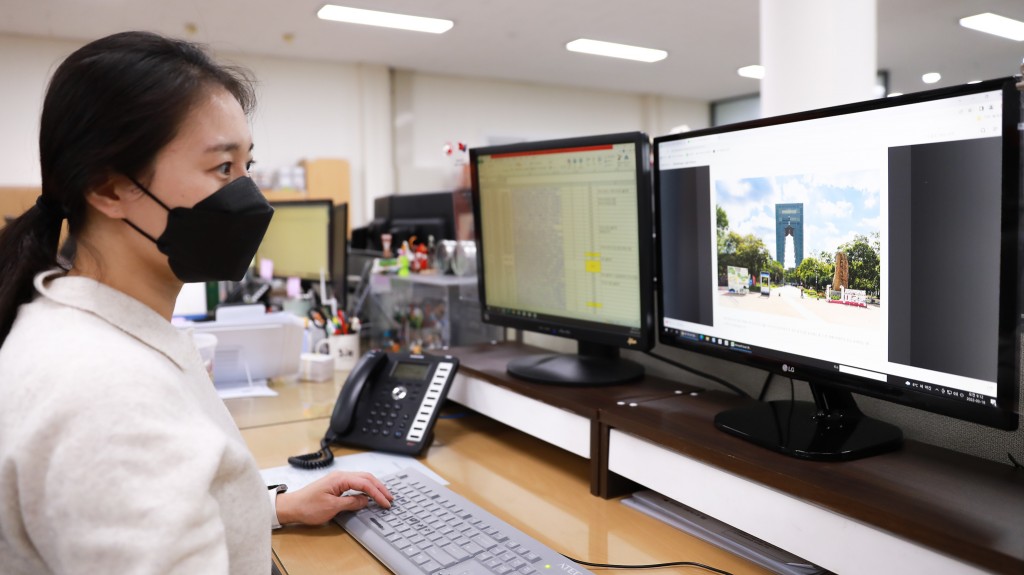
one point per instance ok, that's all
(345, 350)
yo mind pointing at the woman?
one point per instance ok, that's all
(116, 455)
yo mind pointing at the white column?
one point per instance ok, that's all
(378, 173)
(817, 53)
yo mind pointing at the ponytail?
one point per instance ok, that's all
(111, 106)
(28, 245)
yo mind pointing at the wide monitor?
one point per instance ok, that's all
(872, 248)
(565, 248)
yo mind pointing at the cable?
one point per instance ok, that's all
(1014, 461)
(700, 373)
(652, 565)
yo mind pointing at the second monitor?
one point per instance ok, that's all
(307, 240)
(565, 249)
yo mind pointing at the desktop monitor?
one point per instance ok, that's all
(307, 240)
(339, 254)
(565, 248)
(872, 248)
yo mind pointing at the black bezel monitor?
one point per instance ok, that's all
(565, 249)
(750, 214)
(339, 254)
(300, 240)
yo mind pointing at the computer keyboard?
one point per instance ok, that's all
(431, 529)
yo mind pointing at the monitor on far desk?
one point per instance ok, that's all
(308, 240)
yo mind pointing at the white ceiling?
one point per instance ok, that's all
(524, 40)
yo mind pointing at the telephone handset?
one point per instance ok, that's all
(389, 402)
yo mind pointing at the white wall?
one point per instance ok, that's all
(317, 109)
(390, 126)
(432, 110)
(25, 66)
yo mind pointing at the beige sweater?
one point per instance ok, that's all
(116, 455)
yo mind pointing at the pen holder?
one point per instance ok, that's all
(343, 348)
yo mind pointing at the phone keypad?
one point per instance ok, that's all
(388, 417)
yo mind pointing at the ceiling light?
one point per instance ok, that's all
(384, 19)
(755, 71)
(974, 82)
(893, 94)
(614, 50)
(931, 77)
(995, 24)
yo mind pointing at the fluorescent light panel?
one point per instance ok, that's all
(755, 71)
(613, 50)
(384, 19)
(995, 24)
(931, 77)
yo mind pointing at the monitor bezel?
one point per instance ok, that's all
(582, 331)
(338, 252)
(1004, 416)
(330, 205)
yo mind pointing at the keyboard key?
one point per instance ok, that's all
(420, 558)
(484, 541)
(456, 552)
(440, 556)
(431, 566)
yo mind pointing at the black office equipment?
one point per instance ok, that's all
(389, 403)
(339, 254)
(885, 237)
(565, 248)
(403, 216)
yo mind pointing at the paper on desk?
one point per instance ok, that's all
(374, 462)
(244, 389)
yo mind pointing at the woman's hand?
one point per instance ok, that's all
(321, 500)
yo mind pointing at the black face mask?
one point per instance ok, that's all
(216, 239)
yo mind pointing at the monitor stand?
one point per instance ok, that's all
(831, 428)
(594, 365)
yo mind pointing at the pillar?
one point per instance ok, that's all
(817, 53)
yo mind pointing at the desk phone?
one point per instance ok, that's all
(389, 402)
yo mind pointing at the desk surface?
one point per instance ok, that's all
(538, 488)
(296, 401)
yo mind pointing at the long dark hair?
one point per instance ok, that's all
(109, 108)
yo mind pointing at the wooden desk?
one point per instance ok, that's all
(296, 401)
(536, 487)
(921, 509)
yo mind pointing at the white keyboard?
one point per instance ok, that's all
(430, 529)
